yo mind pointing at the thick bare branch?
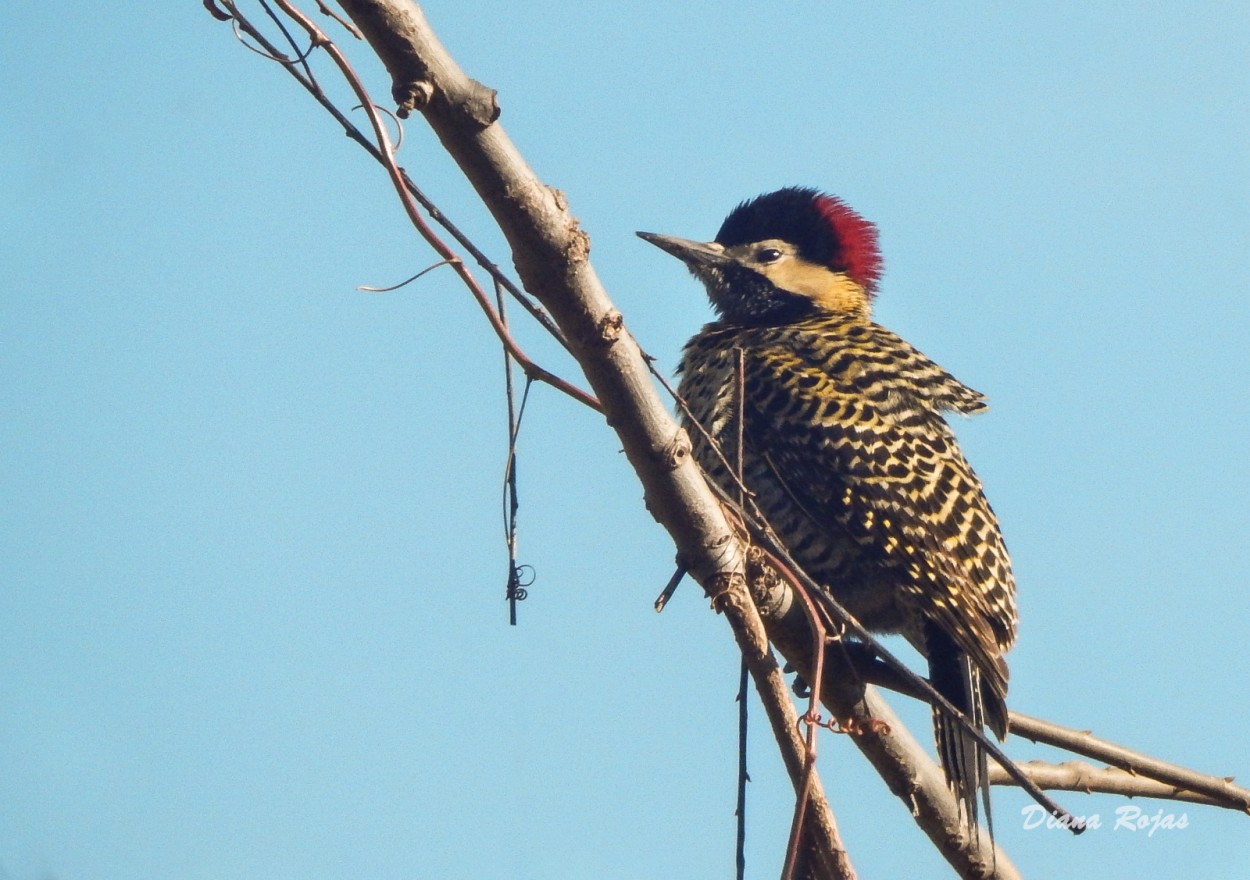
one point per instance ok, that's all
(551, 256)
(1084, 777)
(1219, 789)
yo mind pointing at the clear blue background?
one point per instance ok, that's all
(251, 558)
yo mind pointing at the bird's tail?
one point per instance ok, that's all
(964, 761)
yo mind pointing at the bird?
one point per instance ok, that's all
(846, 451)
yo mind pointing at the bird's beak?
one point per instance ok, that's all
(694, 254)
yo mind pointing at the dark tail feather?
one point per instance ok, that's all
(963, 759)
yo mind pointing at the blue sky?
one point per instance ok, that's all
(250, 541)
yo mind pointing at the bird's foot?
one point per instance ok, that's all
(855, 725)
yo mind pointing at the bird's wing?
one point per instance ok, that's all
(860, 450)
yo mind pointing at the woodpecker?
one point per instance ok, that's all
(846, 452)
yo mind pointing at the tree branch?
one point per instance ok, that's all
(1083, 777)
(1218, 790)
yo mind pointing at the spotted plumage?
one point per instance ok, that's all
(845, 448)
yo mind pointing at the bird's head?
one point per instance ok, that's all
(783, 256)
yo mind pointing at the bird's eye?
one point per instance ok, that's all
(768, 255)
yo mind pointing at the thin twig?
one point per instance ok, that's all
(369, 289)
(347, 25)
(671, 587)
(740, 854)
(301, 54)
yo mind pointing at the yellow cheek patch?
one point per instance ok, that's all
(829, 290)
